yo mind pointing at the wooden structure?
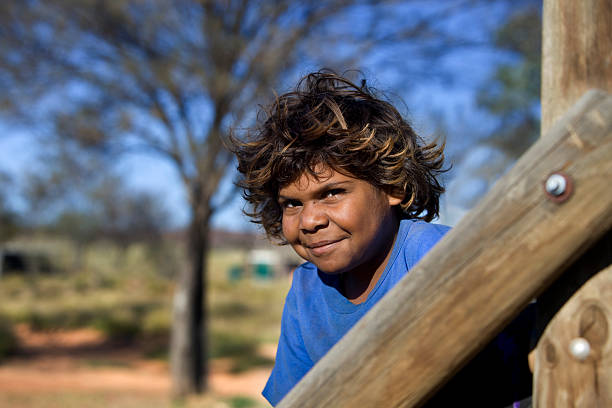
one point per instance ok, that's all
(582, 378)
(479, 276)
(576, 53)
(519, 239)
(576, 56)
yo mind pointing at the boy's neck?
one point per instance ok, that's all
(356, 285)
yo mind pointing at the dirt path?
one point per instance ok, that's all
(81, 360)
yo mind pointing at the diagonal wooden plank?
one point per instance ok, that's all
(479, 276)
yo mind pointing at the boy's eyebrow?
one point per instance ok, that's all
(321, 189)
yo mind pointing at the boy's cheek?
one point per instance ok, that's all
(301, 252)
(289, 228)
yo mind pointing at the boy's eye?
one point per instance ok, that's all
(333, 192)
(290, 203)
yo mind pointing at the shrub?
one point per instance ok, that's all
(242, 350)
(241, 402)
(8, 340)
(121, 325)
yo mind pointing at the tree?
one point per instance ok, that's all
(77, 196)
(8, 219)
(511, 99)
(171, 76)
(127, 216)
(513, 93)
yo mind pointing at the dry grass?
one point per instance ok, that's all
(78, 399)
(133, 297)
(127, 296)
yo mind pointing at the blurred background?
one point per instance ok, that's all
(123, 249)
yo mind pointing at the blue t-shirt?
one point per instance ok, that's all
(316, 315)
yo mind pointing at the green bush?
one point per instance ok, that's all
(156, 322)
(120, 325)
(118, 318)
(8, 340)
(230, 345)
(234, 309)
(41, 320)
(242, 350)
(241, 402)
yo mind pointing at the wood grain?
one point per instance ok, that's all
(576, 53)
(562, 380)
(479, 276)
(576, 56)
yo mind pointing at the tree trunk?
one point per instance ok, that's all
(189, 340)
(1, 261)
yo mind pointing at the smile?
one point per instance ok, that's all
(323, 247)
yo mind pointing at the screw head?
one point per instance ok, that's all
(558, 187)
(580, 348)
(556, 184)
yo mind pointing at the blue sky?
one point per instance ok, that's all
(454, 103)
(428, 98)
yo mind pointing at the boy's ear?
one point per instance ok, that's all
(394, 200)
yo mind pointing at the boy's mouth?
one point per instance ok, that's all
(320, 248)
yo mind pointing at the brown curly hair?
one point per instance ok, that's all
(329, 120)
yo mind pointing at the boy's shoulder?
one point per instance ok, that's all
(421, 232)
(421, 227)
(305, 277)
(417, 237)
(304, 271)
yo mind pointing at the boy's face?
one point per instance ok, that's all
(338, 222)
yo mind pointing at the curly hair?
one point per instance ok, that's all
(331, 121)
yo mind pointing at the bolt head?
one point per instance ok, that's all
(580, 348)
(556, 184)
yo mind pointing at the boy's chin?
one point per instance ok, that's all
(329, 269)
(330, 272)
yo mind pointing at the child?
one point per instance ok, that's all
(339, 175)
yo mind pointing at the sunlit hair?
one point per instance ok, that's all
(330, 121)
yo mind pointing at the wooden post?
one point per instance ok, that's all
(576, 53)
(478, 277)
(576, 56)
(574, 367)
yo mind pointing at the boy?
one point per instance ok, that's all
(339, 175)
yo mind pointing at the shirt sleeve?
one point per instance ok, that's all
(422, 237)
(292, 361)
(430, 238)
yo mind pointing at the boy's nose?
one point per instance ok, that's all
(312, 218)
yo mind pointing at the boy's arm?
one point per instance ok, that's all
(292, 361)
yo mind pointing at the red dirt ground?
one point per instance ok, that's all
(81, 360)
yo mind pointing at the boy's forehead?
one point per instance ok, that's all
(306, 180)
(320, 174)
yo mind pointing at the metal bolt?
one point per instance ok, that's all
(556, 184)
(580, 348)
